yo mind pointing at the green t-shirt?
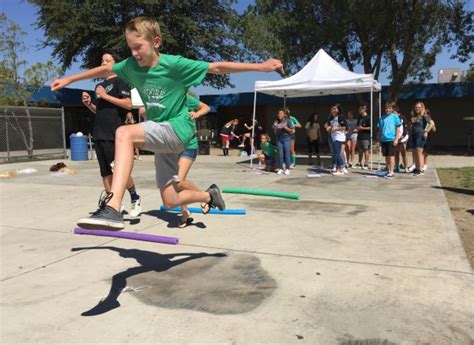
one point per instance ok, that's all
(163, 89)
(268, 149)
(294, 120)
(192, 103)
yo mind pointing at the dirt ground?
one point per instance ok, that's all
(458, 186)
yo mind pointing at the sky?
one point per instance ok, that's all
(24, 14)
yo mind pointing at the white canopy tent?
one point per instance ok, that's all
(321, 76)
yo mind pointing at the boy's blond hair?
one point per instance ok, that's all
(145, 27)
(392, 105)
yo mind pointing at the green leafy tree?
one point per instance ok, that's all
(18, 80)
(469, 74)
(84, 29)
(401, 37)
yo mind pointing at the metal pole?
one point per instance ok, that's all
(253, 127)
(371, 122)
(380, 114)
(64, 132)
(6, 135)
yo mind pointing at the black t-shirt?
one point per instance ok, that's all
(364, 134)
(108, 117)
(228, 130)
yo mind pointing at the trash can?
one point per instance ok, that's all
(79, 148)
(204, 147)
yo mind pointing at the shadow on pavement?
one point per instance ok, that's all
(149, 261)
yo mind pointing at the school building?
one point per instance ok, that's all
(451, 106)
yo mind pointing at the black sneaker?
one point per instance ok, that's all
(418, 173)
(106, 218)
(216, 197)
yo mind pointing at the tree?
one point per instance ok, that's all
(84, 29)
(468, 75)
(402, 37)
(18, 81)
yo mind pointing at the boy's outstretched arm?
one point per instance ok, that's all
(236, 67)
(97, 72)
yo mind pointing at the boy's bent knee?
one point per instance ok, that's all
(170, 203)
(123, 133)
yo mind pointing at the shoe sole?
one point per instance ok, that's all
(219, 200)
(97, 224)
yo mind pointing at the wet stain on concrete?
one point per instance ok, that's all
(216, 283)
(306, 207)
(233, 284)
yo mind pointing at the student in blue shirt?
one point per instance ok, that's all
(283, 129)
(388, 135)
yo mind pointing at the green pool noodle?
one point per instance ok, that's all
(261, 192)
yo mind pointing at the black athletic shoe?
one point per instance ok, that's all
(418, 173)
(106, 218)
(216, 197)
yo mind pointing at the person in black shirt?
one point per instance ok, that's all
(112, 102)
(363, 137)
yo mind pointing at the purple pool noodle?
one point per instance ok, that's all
(128, 235)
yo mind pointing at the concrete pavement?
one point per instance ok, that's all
(354, 261)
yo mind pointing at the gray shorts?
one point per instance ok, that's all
(363, 144)
(161, 139)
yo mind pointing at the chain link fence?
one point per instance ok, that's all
(31, 133)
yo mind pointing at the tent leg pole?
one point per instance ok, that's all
(252, 147)
(380, 114)
(371, 126)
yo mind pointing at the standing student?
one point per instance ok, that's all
(338, 136)
(112, 99)
(334, 111)
(188, 156)
(129, 120)
(431, 128)
(420, 125)
(296, 124)
(401, 149)
(351, 138)
(162, 81)
(283, 128)
(227, 135)
(363, 137)
(388, 135)
(313, 137)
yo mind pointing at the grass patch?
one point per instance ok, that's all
(457, 177)
(458, 186)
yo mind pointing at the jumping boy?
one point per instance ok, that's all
(162, 81)
(388, 135)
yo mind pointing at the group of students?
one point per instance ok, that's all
(394, 133)
(348, 135)
(229, 132)
(162, 81)
(283, 155)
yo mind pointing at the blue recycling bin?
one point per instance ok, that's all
(79, 148)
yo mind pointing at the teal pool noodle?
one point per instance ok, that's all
(262, 192)
(212, 211)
